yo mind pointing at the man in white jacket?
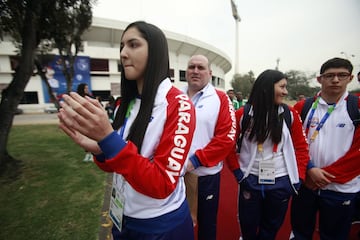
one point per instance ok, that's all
(213, 139)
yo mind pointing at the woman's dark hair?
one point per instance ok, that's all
(81, 89)
(266, 120)
(157, 69)
(111, 100)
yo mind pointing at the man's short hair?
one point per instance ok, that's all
(336, 63)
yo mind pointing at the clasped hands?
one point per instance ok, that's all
(317, 178)
(84, 120)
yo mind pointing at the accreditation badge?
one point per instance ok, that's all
(117, 201)
(267, 172)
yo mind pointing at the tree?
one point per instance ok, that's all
(74, 18)
(298, 83)
(243, 83)
(28, 23)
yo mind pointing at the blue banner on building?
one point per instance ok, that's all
(56, 78)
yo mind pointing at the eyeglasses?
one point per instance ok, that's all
(341, 76)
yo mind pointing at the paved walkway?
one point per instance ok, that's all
(35, 118)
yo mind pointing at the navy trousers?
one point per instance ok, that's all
(208, 203)
(183, 231)
(262, 208)
(335, 211)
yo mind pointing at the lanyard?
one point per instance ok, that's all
(130, 107)
(260, 148)
(322, 122)
(314, 106)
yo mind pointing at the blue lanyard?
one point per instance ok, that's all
(314, 106)
(322, 122)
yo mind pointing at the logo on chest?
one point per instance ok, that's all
(314, 122)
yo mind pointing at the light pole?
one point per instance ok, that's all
(237, 20)
(277, 64)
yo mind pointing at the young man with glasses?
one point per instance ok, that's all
(332, 180)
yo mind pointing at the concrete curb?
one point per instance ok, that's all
(105, 221)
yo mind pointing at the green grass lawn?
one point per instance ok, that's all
(56, 196)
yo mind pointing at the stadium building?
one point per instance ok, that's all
(98, 64)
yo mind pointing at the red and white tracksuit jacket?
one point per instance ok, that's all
(214, 135)
(293, 146)
(336, 149)
(154, 183)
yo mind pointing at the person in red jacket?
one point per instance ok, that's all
(332, 178)
(214, 138)
(148, 143)
(272, 157)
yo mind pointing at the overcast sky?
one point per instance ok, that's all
(301, 33)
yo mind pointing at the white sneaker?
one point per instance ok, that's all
(291, 236)
(88, 157)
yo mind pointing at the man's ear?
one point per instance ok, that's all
(318, 78)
